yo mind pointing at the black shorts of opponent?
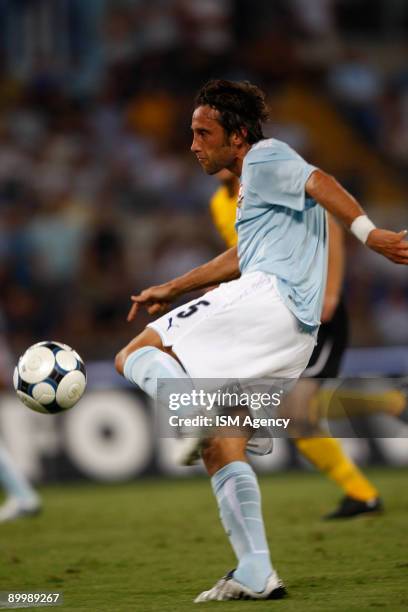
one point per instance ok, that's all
(331, 343)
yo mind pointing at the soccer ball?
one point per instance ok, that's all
(50, 377)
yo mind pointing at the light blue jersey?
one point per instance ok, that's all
(281, 230)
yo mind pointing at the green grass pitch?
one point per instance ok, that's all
(152, 545)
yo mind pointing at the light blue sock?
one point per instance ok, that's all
(161, 376)
(13, 481)
(239, 500)
(145, 366)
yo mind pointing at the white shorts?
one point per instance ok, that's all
(242, 329)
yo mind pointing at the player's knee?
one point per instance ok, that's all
(120, 359)
(123, 354)
(219, 452)
(211, 455)
(148, 337)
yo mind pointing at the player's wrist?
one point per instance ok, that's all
(361, 227)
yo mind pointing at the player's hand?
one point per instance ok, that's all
(156, 300)
(330, 303)
(390, 244)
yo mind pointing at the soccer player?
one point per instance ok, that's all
(325, 453)
(22, 500)
(263, 319)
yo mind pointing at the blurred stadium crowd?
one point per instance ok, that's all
(99, 194)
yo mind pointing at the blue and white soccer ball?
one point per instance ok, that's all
(50, 377)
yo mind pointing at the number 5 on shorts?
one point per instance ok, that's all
(183, 314)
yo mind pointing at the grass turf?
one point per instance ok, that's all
(151, 546)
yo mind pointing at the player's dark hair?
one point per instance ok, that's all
(240, 104)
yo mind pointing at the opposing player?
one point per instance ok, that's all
(263, 319)
(22, 500)
(325, 453)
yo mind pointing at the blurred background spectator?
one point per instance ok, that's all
(99, 194)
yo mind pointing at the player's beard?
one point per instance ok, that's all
(224, 160)
(223, 157)
(213, 169)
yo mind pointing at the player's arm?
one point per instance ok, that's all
(335, 269)
(156, 299)
(336, 200)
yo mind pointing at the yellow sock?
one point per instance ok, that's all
(327, 456)
(344, 403)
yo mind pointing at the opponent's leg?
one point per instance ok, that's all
(343, 403)
(326, 453)
(22, 499)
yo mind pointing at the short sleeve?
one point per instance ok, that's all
(280, 182)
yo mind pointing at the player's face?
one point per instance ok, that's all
(211, 145)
